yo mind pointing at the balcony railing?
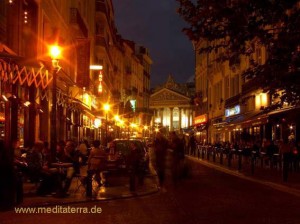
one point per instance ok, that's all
(75, 18)
(100, 6)
(251, 85)
(100, 41)
(233, 100)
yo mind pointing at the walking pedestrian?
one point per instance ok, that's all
(178, 156)
(133, 160)
(160, 149)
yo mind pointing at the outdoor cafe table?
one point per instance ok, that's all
(61, 166)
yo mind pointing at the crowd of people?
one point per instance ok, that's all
(37, 165)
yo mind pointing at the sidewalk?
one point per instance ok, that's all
(266, 176)
(118, 187)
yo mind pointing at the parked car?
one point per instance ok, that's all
(122, 150)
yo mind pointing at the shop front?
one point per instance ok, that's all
(200, 124)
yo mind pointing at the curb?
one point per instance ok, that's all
(273, 185)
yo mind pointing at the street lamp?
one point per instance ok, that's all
(106, 108)
(54, 52)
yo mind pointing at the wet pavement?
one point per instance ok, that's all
(117, 187)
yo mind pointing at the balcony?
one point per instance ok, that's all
(100, 6)
(77, 21)
(251, 85)
(100, 41)
(232, 101)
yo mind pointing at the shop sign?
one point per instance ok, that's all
(232, 111)
(87, 100)
(200, 119)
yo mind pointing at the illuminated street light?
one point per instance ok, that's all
(54, 53)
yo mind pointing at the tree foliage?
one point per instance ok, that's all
(237, 25)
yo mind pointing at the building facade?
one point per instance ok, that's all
(171, 105)
(86, 32)
(234, 105)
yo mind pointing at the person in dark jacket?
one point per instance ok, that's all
(133, 160)
(177, 146)
(160, 149)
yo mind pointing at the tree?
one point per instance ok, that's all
(237, 25)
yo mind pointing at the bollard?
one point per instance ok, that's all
(214, 154)
(229, 158)
(207, 153)
(240, 160)
(285, 168)
(252, 162)
(221, 156)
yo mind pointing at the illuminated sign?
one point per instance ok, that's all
(201, 119)
(133, 104)
(232, 111)
(87, 100)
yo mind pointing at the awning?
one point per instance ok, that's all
(282, 110)
(246, 118)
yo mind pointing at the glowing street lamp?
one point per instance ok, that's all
(54, 53)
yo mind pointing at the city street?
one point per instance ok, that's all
(208, 196)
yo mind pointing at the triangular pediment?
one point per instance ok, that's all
(168, 97)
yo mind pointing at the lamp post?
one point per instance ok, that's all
(55, 52)
(106, 108)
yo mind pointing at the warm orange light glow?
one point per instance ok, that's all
(96, 67)
(97, 123)
(106, 107)
(55, 51)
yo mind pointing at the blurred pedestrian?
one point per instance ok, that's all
(160, 149)
(178, 156)
(133, 160)
(97, 163)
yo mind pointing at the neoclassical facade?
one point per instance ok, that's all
(171, 105)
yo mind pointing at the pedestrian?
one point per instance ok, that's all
(97, 163)
(133, 160)
(178, 156)
(160, 150)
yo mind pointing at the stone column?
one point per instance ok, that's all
(179, 117)
(162, 116)
(189, 116)
(171, 118)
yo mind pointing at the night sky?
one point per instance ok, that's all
(155, 25)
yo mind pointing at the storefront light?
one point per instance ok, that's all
(27, 103)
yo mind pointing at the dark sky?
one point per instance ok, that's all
(156, 25)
